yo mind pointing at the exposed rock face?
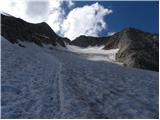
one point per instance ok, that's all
(137, 48)
(85, 41)
(15, 29)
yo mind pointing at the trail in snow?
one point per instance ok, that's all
(60, 87)
(56, 83)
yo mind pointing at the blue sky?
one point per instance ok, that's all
(142, 15)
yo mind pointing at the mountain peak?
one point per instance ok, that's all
(135, 30)
(137, 48)
(130, 29)
(16, 29)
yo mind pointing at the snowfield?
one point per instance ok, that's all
(51, 82)
(95, 53)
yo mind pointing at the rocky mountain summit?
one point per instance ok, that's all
(15, 29)
(137, 49)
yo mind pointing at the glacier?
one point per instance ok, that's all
(95, 53)
(53, 82)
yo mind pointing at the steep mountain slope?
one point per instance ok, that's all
(136, 48)
(15, 29)
(139, 49)
(56, 83)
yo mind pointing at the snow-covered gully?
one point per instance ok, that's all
(38, 82)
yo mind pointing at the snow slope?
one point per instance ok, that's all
(54, 83)
(95, 53)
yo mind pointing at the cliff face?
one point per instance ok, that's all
(15, 29)
(136, 48)
(139, 49)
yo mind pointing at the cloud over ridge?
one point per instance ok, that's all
(86, 20)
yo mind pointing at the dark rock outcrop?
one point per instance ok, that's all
(85, 41)
(137, 49)
(110, 42)
(66, 41)
(15, 29)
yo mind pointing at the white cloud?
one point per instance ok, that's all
(56, 16)
(37, 11)
(70, 3)
(86, 20)
(34, 11)
(13, 7)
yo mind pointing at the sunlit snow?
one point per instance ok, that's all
(95, 53)
(41, 82)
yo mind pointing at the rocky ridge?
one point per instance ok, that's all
(137, 49)
(15, 29)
